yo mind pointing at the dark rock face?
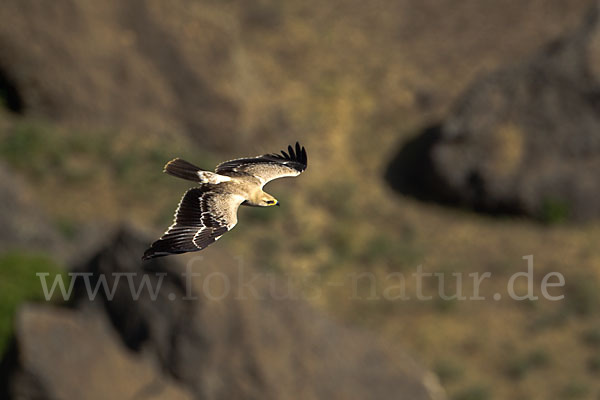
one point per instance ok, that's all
(247, 343)
(66, 354)
(524, 139)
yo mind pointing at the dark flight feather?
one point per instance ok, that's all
(197, 225)
(295, 159)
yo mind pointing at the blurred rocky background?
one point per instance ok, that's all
(460, 136)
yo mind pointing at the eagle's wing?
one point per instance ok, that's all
(268, 166)
(204, 214)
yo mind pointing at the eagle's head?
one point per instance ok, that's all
(267, 200)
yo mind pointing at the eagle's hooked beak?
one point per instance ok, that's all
(277, 203)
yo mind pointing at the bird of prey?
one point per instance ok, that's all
(206, 212)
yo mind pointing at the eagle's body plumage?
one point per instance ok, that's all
(206, 212)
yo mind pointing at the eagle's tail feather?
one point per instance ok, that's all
(182, 169)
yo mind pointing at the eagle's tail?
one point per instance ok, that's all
(182, 169)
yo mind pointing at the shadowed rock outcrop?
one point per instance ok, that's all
(66, 354)
(522, 140)
(243, 335)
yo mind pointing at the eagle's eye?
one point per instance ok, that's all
(269, 202)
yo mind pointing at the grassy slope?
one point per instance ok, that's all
(346, 222)
(351, 103)
(18, 283)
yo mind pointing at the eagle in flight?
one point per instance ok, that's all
(206, 212)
